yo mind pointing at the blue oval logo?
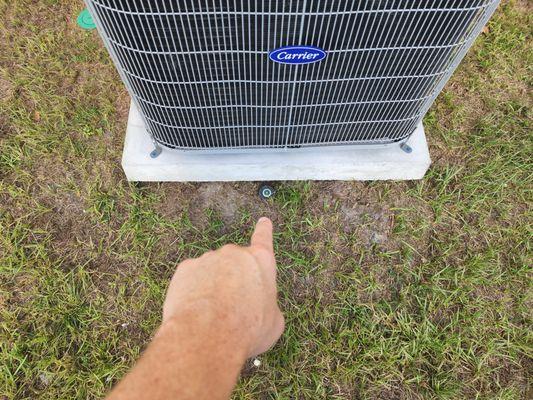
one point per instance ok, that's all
(297, 55)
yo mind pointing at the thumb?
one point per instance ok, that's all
(262, 236)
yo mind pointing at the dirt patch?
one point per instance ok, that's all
(65, 212)
(174, 199)
(7, 95)
(69, 224)
(351, 223)
(391, 393)
(523, 6)
(229, 201)
(17, 292)
(7, 90)
(357, 226)
(373, 224)
(354, 209)
(315, 288)
(226, 199)
(360, 212)
(505, 374)
(302, 285)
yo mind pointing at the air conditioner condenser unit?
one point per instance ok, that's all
(277, 90)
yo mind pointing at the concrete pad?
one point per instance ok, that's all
(363, 162)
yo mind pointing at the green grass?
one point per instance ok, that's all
(391, 290)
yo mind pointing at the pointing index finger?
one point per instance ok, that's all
(262, 236)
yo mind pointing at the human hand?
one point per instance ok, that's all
(233, 287)
(220, 309)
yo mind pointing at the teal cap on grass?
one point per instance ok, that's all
(85, 20)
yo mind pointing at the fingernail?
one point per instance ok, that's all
(264, 219)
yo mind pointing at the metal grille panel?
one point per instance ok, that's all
(200, 74)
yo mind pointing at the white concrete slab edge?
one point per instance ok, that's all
(320, 163)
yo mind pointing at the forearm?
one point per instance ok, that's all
(193, 356)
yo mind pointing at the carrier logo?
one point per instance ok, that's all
(297, 55)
